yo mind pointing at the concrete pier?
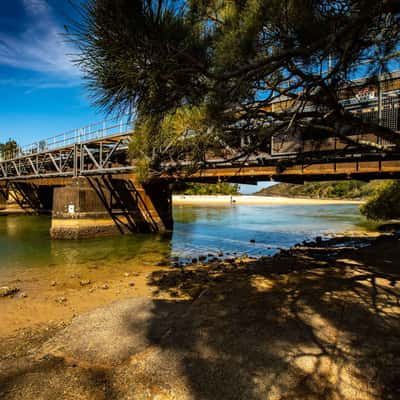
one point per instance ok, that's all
(3, 198)
(100, 207)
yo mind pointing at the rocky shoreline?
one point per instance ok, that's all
(319, 319)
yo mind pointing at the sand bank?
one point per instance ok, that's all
(221, 199)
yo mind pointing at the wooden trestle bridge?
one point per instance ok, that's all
(85, 175)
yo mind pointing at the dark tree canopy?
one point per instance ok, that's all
(224, 62)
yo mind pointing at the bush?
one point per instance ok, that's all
(385, 203)
(206, 188)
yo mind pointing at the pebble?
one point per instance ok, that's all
(105, 286)
(252, 241)
(85, 282)
(8, 291)
(126, 274)
(23, 295)
(131, 283)
(202, 258)
(61, 300)
(53, 283)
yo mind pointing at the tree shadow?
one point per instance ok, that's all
(311, 323)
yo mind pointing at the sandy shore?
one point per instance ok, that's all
(221, 199)
(314, 322)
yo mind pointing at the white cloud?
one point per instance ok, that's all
(40, 47)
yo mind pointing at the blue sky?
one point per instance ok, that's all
(41, 92)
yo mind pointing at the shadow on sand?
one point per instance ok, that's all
(311, 323)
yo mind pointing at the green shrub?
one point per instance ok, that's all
(206, 188)
(384, 204)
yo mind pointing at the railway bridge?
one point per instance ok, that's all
(86, 180)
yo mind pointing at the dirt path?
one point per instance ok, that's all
(311, 323)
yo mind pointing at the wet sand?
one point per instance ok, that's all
(53, 298)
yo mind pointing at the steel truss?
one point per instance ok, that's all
(92, 157)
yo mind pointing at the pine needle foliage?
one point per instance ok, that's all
(229, 60)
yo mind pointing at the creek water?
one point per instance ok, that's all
(255, 230)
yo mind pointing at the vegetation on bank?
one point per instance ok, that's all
(8, 148)
(352, 189)
(384, 204)
(206, 188)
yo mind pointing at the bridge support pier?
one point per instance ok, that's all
(3, 197)
(91, 207)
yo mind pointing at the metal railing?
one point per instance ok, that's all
(95, 131)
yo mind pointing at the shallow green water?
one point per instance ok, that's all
(25, 241)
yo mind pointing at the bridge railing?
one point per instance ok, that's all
(95, 131)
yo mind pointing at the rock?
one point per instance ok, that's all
(252, 241)
(131, 284)
(85, 282)
(61, 300)
(8, 291)
(194, 260)
(23, 295)
(202, 258)
(163, 263)
(220, 254)
(53, 283)
(126, 274)
(105, 286)
(135, 274)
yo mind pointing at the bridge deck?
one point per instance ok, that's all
(102, 149)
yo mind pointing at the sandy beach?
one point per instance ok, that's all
(222, 199)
